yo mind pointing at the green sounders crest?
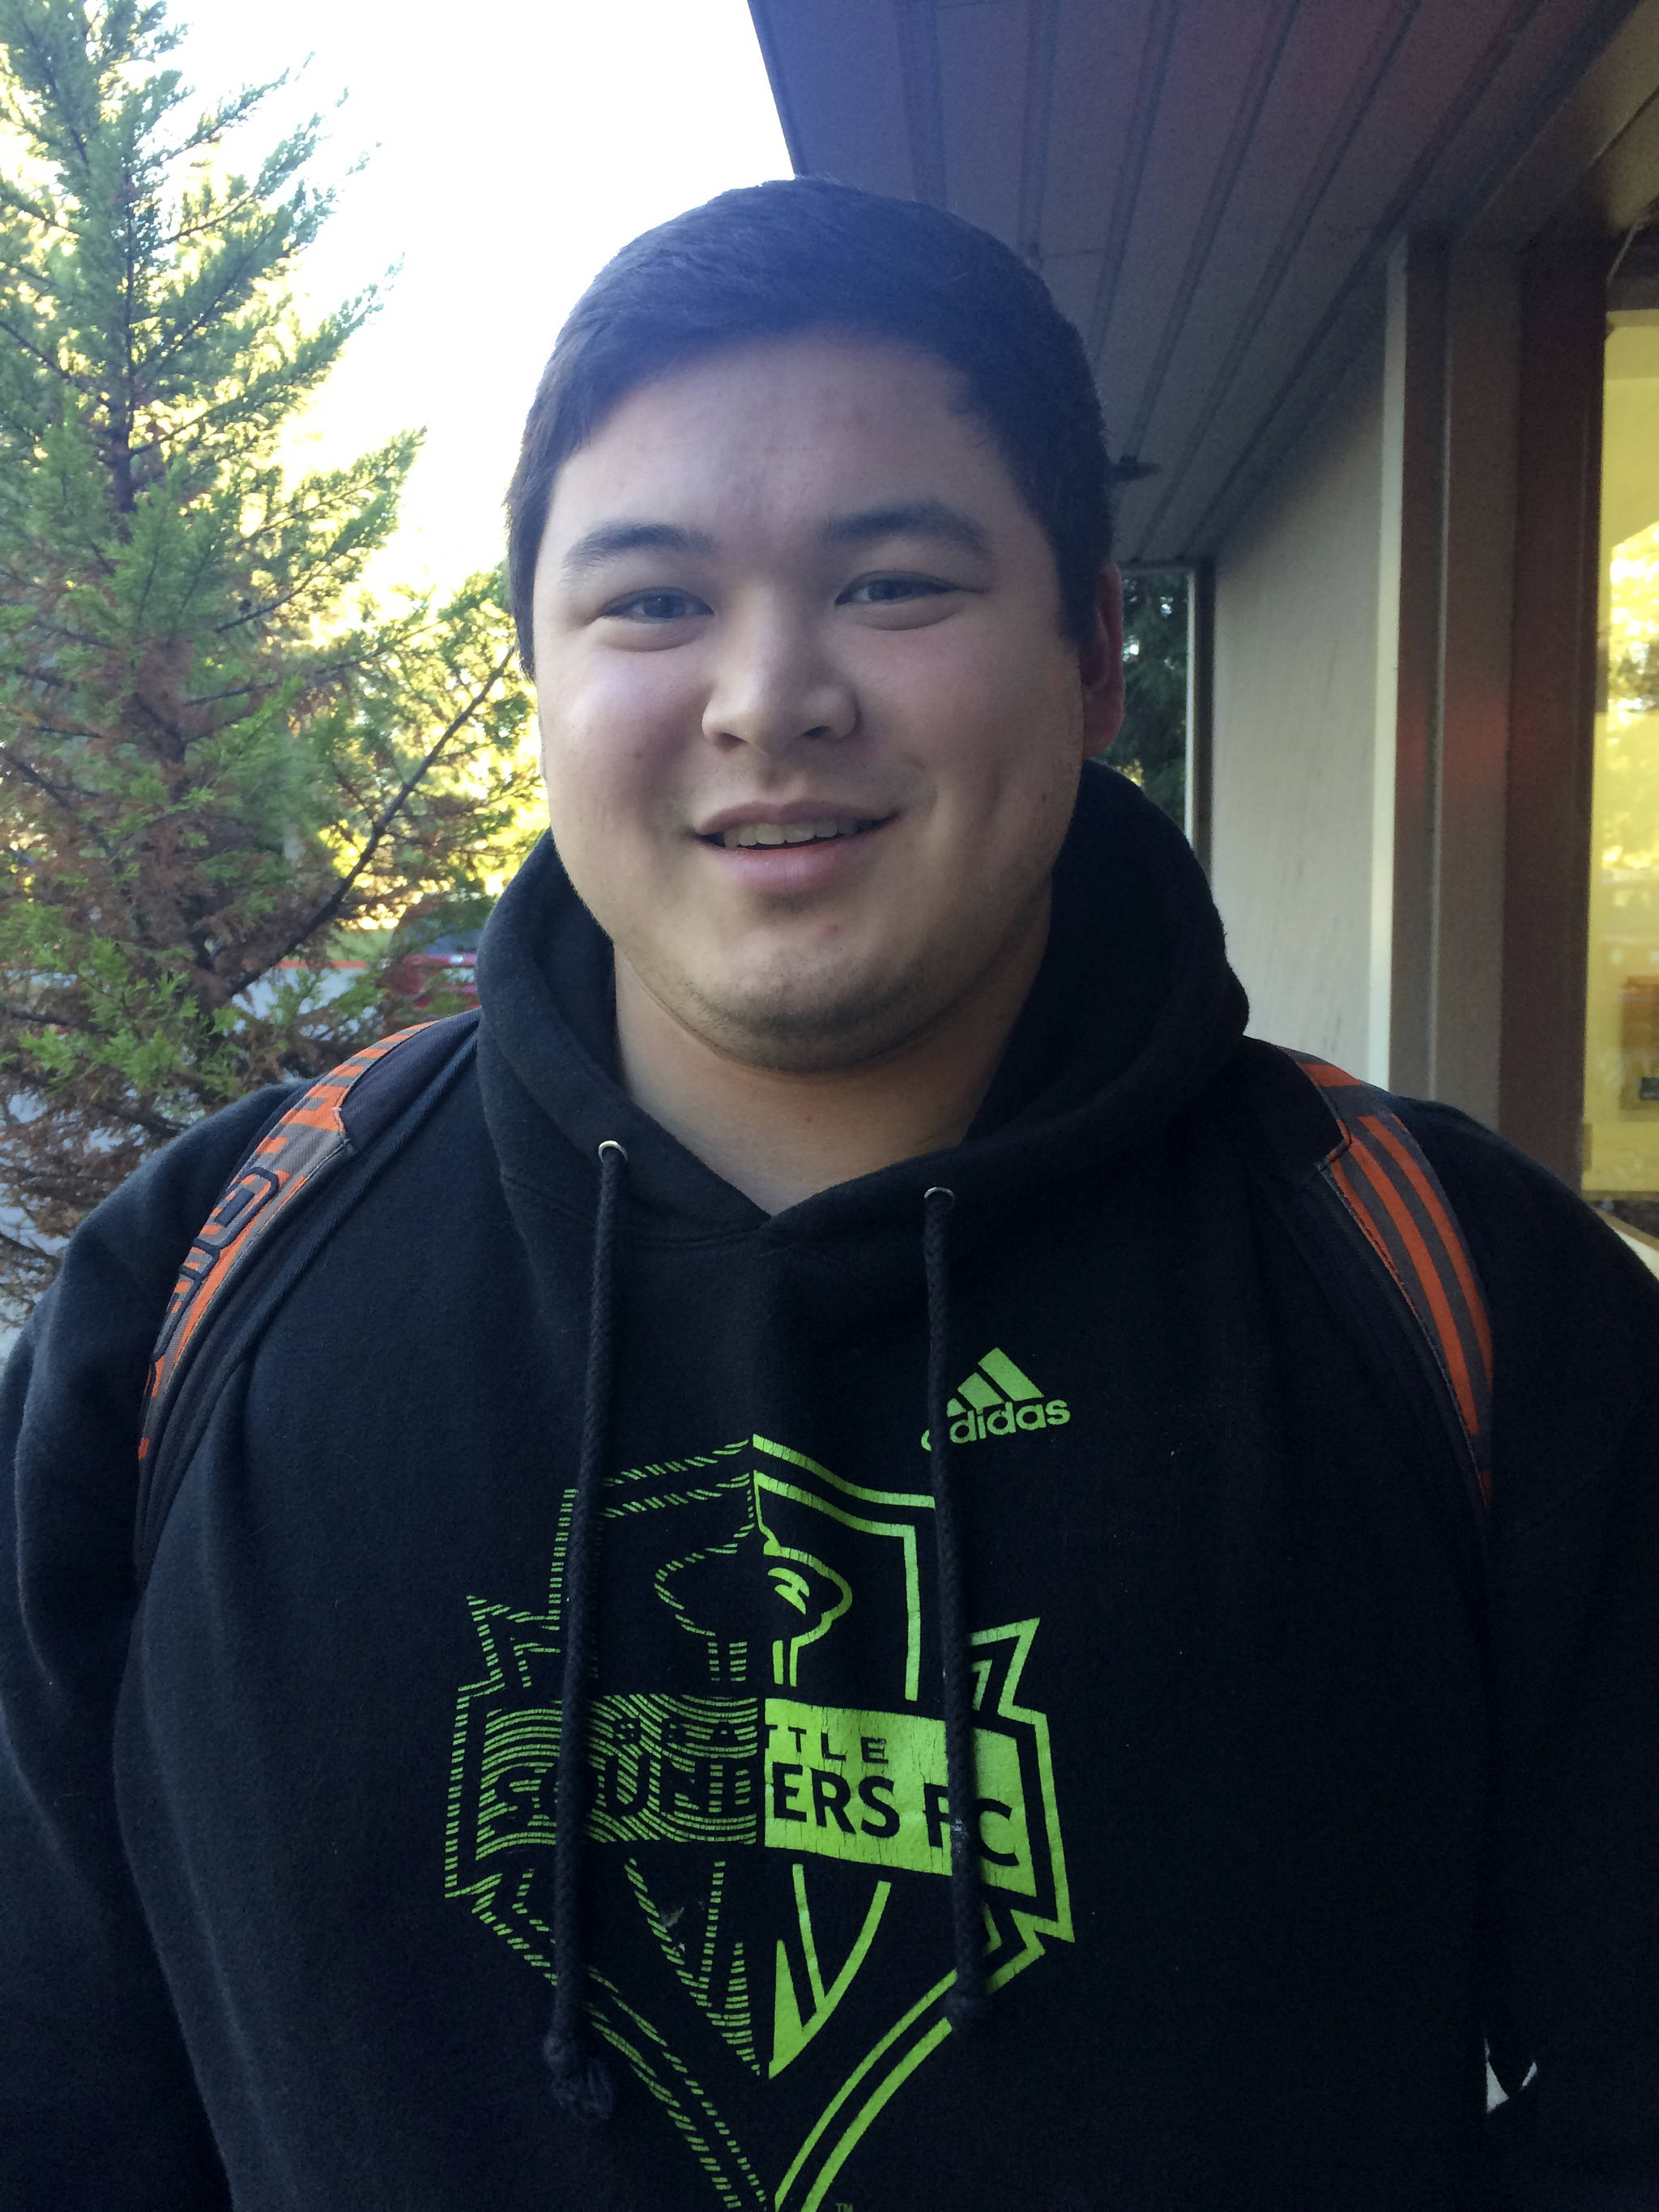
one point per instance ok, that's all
(770, 1815)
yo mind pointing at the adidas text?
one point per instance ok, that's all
(997, 1399)
(1002, 1421)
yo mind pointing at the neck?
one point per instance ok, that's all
(780, 1136)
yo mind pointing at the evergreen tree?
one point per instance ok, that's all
(216, 755)
(1152, 746)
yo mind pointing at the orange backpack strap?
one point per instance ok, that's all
(333, 1121)
(1378, 1173)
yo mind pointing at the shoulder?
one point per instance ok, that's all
(144, 1229)
(1526, 1224)
(1574, 1313)
(173, 1192)
(1536, 1244)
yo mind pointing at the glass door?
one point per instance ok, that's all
(1621, 1058)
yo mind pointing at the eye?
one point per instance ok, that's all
(655, 607)
(892, 591)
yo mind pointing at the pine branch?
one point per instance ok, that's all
(9, 330)
(51, 630)
(42, 60)
(214, 305)
(59, 797)
(34, 1019)
(318, 678)
(306, 580)
(153, 1124)
(331, 907)
(13, 196)
(29, 271)
(38, 1254)
(169, 729)
(40, 676)
(216, 219)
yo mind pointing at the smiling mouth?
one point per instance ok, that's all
(794, 833)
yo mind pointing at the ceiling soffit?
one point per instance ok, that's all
(1209, 186)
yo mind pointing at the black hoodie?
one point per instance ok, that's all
(1282, 1813)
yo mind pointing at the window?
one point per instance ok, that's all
(1621, 1060)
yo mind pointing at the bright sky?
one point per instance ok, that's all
(512, 146)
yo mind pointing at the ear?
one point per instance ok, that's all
(1100, 665)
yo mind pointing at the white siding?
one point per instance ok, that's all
(1296, 673)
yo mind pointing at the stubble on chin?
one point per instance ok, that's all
(790, 1028)
(793, 1021)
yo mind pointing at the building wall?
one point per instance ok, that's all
(1296, 700)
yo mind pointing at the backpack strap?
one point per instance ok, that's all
(334, 1121)
(1379, 1175)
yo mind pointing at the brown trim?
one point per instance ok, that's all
(1476, 645)
(1415, 416)
(1552, 701)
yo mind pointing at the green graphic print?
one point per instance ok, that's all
(769, 1806)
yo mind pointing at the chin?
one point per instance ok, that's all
(799, 1033)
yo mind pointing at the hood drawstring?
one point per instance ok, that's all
(966, 2004)
(583, 2085)
(582, 2082)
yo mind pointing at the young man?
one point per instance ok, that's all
(870, 1357)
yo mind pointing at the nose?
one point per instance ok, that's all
(775, 683)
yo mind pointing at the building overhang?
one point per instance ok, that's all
(1212, 189)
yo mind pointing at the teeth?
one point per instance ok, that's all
(788, 833)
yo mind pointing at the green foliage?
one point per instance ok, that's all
(1152, 747)
(218, 759)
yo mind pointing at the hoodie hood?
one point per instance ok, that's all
(1133, 1011)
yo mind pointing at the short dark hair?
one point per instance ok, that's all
(803, 253)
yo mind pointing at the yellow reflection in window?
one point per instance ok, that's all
(1621, 1059)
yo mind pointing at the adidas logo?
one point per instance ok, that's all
(997, 1399)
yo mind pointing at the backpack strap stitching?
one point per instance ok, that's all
(1379, 1174)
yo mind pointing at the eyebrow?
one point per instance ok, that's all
(921, 518)
(611, 540)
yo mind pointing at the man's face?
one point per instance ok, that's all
(810, 729)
